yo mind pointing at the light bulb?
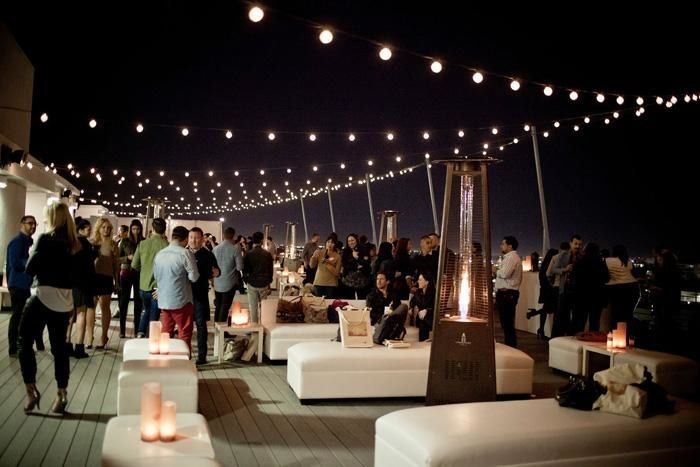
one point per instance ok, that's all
(342, 166)
(185, 132)
(620, 100)
(674, 100)
(139, 128)
(326, 37)
(616, 115)
(312, 137)
(516, 140)
(398, 158)
(426, 135)
(289, 171)
(210, 173)
(460, 133)
(659, 100)
(556, 124)
(494, 131)
(548, 91)
(271, 136)
(187, 174)
(370, 163)
(390, 136)
(93, 123)
(607, 121)
(545, 134)
(477, 77)
(515, 85)
(262, 172)
(256, 14)
(315, 168)
(385, 53)
(600, 98)
(229, 134)
(576, 127)
(351, 137)
(486, 145)
(573, 95)
(587, 120)
(686, 98)
(44, 117)
(640, 101)
(436, 66)
(526, 127)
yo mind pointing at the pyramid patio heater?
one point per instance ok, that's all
(389, 226)
(290, 249)
(462, 359)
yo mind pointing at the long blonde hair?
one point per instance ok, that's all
(96, 235)
(60, 222)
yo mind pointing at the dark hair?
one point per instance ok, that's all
(384, 252)
(591, 250)
(334, 239)
(80, 223)
(136, 240)
(229, 233)
(363, 239)
(576, 237)
(198, 230)
(402, 247)
(383, 273)
(548, 259)
(512, 241)
(123, 228)
(564, 246)
(620, 252)
(315, 235)
(158, 225)
(26, 218)
(180, 233)
(257, 238)
(428, 276)
(353, 235)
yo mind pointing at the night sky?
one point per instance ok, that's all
(207, 66)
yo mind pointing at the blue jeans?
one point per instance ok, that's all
(201, 316)
(151, 312)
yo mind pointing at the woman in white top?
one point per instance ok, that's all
(53, 263)
(623, 288)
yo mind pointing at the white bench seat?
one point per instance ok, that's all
(534, 432)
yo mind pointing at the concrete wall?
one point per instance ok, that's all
(16, 89)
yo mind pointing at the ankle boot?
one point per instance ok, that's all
(33, 398)
(61, 401)
(80, 351)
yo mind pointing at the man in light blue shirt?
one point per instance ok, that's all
(174, 268)
(230, 260)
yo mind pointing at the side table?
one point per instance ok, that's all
(255, 330)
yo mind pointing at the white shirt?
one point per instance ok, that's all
(619, 274)
(510, 273)
(55, 299)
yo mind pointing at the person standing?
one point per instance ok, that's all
(18, 281)
(309, 250)
(591, 276)
(229, 257)
(106, 274)
(257, 273)
(327, 263)
(174, 268)
(56, 269)
(623, 288)
(143, 262)
(83, 294)
(563, 267)
(548, 293)
(508, 278)
(208, 269)
(129, 277)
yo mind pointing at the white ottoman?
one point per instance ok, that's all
(676, 374)
(178, 378)
(326, 370)
(532, 433)
(566, 354)
(122, 445)
(137, 349)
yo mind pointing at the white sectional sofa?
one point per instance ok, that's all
(279, 337)
(326, 370)
(535, 432)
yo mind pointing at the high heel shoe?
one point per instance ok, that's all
(531, 313)
(540, 335)
(60, 403)
(33, 398)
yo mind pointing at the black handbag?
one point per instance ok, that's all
(579, 393)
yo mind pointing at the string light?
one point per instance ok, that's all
(370, 163)
(600, 98)
(342, 165)
(93, 123)
(494, 131)
(460, 133)
(312, 137)
(351, 137)
(326, 37)
(256, 14)
(548, 91)
(271, 136)
(640, 101)
(515, 85)
(262, 172)
(526, 128)
(139, 128)
(616, 115)
(620, 100)
(385, 53)
(398, 158)
(556, 124)
(44, 117)
(573, 95)
(390, 136)
(229, 134)
(659, 100)
(426, 135)
(185, 132)
(478, 77)
(436, 66)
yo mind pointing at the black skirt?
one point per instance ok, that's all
(104, 285)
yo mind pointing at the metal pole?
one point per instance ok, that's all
(330, 208)
(371, 210)
(432, 194)
(540, 188)
(303, 216)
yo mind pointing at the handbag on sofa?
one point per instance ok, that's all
(290, 311)
(355, 328)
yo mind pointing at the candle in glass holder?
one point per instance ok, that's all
(301, 269)
(164, 344)
(241, 318)
(154, 330)
(168, 424)
(150, 411)
(292, 278)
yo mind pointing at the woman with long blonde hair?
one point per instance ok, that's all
(53, 264)
(106, 276)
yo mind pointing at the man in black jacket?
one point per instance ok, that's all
(208, 268)
(379, 298)
(257, 273)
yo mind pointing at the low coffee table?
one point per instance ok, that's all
(221, 328)
(601, 349)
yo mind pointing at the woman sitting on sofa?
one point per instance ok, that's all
(422, 304)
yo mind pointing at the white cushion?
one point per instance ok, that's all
(326, 370)
(137, 349)
(566, 354)
(122, 445)
(676, 374)
(534, 432)
(178, 379)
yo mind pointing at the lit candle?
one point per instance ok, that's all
(291, 279)
(154, 330)
(240, 318)
(150, 411)
(164, 344)
(168, 424)
(300, 270)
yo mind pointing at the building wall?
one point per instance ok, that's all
(16, 89)
(12, 205)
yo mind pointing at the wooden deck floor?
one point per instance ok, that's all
(253, 415)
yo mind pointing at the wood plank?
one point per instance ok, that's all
(223, 449)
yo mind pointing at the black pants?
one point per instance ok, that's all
(201, 316)
(128, 281)
(587, 308)
(623, 301)
(562, 316)
(19, 297)
(34, 317)
(506, 301)
(222, 303)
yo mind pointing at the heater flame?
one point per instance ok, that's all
(464, 296)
